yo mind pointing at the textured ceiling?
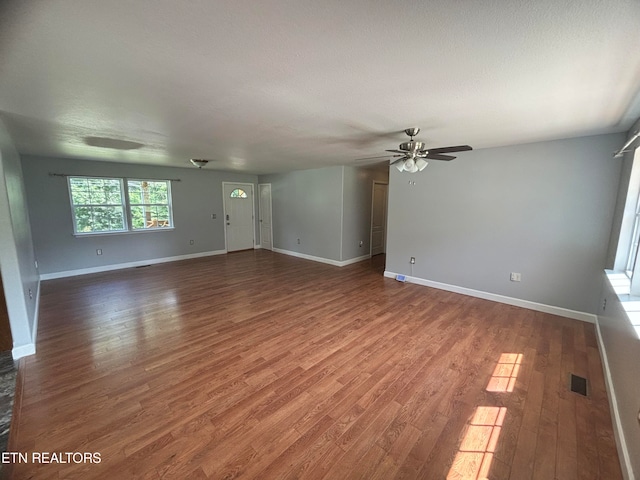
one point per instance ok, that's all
(267, 86)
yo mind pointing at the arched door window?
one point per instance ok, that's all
(238, 193)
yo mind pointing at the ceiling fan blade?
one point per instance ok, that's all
(397, 151)
(437, 156)
(372, 158)
(458, 148)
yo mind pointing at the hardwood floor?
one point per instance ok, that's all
(259, 365)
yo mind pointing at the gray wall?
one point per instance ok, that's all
(356, 220)
(328, 209)
(307, 204)
(622, 349)
(543, 209)
(195, 198)
(17, 260)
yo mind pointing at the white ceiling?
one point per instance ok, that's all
(267, 86)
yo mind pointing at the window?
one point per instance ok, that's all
(633, 250)
(111, 205)
(97, 204)
(629, 235)
(149, 203)
(238, 193)
(625, 276)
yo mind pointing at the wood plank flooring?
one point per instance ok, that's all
(259, 365)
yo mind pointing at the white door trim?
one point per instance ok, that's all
(224, 210)
(270, 210)
(373, 187)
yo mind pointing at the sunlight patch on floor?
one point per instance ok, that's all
(473, 460)
(474, 457)
(505, 374)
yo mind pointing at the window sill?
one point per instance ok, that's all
(128, 232)
(621, 284)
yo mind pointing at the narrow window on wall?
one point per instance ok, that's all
(630, 283)
(634, 209)
(635, 240)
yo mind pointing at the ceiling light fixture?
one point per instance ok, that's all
(411, 165)
(198, 162)
(412, 156)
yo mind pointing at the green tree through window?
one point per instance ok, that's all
(149, 204)
(100, 206)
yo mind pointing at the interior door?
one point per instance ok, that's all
(238, 214)
(379, 218)
(266, 231)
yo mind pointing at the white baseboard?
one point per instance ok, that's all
(257, 246)
(540, 307)
(23, 351)
(120, 266)
(625, 463)
(335, 263)
(354, 260)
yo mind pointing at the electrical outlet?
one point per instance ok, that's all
(515, 277)
(413, 260)
(191, 242)
(31, 294)
(98, 251)
(360, 242)
(298, 241)
(213, 216)
(604, 304)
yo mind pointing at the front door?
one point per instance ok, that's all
(379, 218)
(266, 232)
(238, 214)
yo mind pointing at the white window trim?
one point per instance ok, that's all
(122, 204)
(628, 217)
(126, 205)
(630, 303)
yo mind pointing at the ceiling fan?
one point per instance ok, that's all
(412, 154)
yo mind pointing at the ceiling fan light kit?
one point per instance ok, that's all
(412, 166)
(413, 154)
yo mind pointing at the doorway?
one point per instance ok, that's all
(379, 218)
(266, 229)
(239, 226)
